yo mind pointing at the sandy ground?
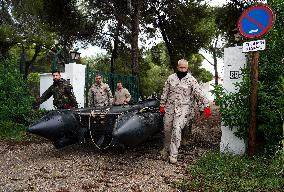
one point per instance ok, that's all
(38, 166)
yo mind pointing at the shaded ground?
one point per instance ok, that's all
(38, 166)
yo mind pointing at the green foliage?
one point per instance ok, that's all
(271, 95)
(7, 39)
(154, 80)
(102, 63)
(33, 82)
(186, 26)
(65, 19)
(217, 172)
(23, 34)
(201, 74)
(159, 55)
(33, 78)
(227, 17)
(35, 115)
(15, 101)
(11, 130)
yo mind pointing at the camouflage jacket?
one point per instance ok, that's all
(121, 96)
(100, 95)
(63, 96)
(186, 91)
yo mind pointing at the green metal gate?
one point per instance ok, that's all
(129, 82)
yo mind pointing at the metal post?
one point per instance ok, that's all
(253, 104)
(54, 61)
(87, 84)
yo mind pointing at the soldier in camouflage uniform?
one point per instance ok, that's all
(180, 94)
(121, 95)
(62, 92)
(100, 94)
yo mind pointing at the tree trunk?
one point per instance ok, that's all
(22, 61)
(215, 63)
(115, 47)
(172, 55)
(215, 67)
(134, 41)
(28, 64)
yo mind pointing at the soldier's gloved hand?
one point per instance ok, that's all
(207, 112)
(162, 109)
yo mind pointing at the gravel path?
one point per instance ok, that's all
(38, 166)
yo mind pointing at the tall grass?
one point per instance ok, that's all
(217, 172)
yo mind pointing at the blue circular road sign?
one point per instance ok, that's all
(256, 21)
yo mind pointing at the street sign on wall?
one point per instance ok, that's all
(254, 46)
(256, 21)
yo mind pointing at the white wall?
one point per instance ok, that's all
(205, 89)
(234, 60)
(45, 82)
(76, 74)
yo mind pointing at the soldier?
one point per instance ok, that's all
(121, 95)
(180, 93)
(62, 92)
(100, 94)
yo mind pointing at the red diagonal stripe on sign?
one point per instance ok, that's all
(255, 22)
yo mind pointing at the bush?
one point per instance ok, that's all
(15, 100)
(34, 84)
(11, 130)
(217, 172)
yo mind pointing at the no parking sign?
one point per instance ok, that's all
(256, 21)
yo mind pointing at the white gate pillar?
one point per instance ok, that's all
(76, 74)
(234, 60)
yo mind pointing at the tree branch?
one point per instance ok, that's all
(206, 59)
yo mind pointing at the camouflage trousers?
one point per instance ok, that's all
(177, 128)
